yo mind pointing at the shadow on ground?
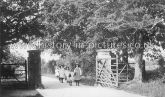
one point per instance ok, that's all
(18, 90)
(88, 81)
(20, 93)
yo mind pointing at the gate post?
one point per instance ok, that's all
(0, 80)
(0, 70)
(34, 69)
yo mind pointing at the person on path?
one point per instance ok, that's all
(77, 74)
(61, 74)
(57, 72)
(68, 76)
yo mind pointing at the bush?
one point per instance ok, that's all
(161, 64)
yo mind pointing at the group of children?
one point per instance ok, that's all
(68, 75)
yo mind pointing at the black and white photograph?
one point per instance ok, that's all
(82, 48)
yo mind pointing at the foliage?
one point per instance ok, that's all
(66, 23)
(19, 20)
(130, 18)
(136, 22)
(12, 58)
(96, 21)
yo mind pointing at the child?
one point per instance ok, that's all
(69, 80)
(68, 76)
(57, 72)
(61, 74)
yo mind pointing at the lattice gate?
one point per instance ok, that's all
(109, 70)
(14, 75)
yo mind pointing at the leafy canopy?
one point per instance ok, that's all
(19, 20)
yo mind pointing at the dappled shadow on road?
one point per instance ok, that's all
(53, 83)
(20, 93)
(53, 88)
(88, 81)
(86, 92)
(50, 82)
(37, 95)
(13, 89)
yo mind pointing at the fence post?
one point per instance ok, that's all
(26, 73)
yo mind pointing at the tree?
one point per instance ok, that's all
(134, 21)
(67, 22)
(19, 21)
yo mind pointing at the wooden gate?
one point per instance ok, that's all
(105, 75)
(109, 70)
(14, 75)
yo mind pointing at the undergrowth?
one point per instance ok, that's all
(153, 88)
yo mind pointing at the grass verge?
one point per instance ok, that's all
(154, 88)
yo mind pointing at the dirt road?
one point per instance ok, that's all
(55, 89)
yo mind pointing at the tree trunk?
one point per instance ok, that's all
(138, 67)
(139, 62)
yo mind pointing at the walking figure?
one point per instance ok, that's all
(57, 72)
(77, 74)
(68, 76)
(61, 74)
